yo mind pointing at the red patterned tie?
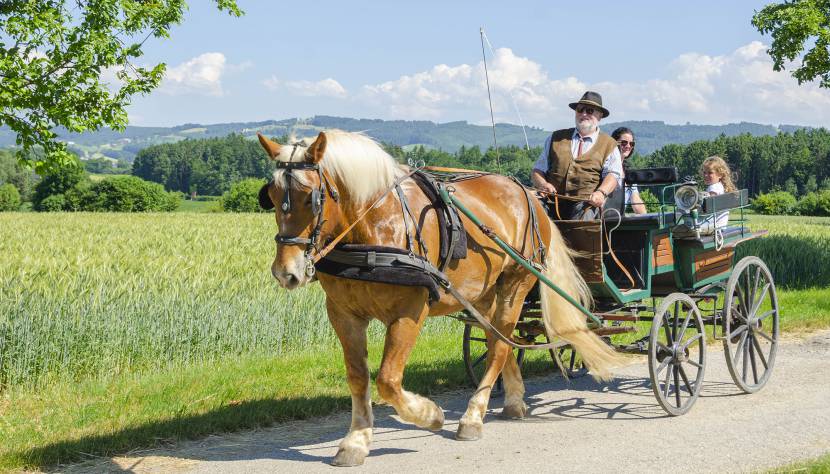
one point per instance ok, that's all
(579, 150)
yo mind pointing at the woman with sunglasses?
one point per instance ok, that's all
(625, 142)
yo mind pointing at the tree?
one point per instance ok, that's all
(793, 24)
(53, 58)
(9, 198)
(243, 196)
(57, 182)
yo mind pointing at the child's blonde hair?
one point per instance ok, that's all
(719, 166)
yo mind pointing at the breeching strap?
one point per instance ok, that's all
(322, 253)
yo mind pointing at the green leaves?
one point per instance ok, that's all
(795, 26)
(70, 64)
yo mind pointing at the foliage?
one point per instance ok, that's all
(793, 24)
(55, 57)
(203, 166)
(759, 164)
(58, 181)
(106, 166)
(9, 198)
(776, 203)
(243, 196)
(11, 171)
(130, 194)
(815, 204)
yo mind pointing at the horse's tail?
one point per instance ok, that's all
(564, 319)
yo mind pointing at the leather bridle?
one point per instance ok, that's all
(318, 201)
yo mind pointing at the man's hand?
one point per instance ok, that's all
(546, 188)
(597, 199)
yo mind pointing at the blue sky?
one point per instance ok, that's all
(699, 62)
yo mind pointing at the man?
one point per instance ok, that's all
(580, 163)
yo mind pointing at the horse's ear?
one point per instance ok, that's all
(317, 149)
(271, 147)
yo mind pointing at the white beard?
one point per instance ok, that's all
(585, 127)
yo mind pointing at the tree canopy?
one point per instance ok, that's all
(794, 26)
(55, 56)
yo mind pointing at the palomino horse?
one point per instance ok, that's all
(334, 182)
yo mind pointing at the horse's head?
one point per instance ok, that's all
(298, 194)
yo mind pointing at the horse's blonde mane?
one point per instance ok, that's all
(355, 160)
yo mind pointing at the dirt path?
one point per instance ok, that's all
(578, 427)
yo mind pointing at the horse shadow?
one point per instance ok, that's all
(549, 398)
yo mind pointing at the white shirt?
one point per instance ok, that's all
(629, 193)
(723, 217)
(612, 164)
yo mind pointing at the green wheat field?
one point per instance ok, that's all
(120, 330)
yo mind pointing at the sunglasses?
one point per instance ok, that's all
(585, 110)
(625, 143)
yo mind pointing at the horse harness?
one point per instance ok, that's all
(318, 201)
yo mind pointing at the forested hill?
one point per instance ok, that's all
(651, 135)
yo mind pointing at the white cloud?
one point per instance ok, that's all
(201, 75)
(699, 88)
(324, 88)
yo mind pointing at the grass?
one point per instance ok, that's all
(122, 331)
(186, 205)
(820, 465)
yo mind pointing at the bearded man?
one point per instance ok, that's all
(580, 163)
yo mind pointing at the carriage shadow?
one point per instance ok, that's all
(601, 405)
(550, 399)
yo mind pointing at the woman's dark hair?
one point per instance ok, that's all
(616, 134)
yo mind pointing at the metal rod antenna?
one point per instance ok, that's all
(512, 97)
(490, 99)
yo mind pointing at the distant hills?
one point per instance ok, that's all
(650, 135)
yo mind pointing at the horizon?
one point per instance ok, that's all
(675, 63)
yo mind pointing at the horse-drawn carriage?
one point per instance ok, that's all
(387, 242)
(647, 275)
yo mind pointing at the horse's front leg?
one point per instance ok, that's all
(400, 338)
(352, 334)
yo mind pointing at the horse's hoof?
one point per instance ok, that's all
(469, 431)
(348, 458)
(438, 421)
(515, 411)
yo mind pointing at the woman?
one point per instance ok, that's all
(625, 142)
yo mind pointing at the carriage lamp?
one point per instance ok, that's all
(687, 198)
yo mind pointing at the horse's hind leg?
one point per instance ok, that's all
(514, 389)
(400, 339)
(509, 297)
(352, 334)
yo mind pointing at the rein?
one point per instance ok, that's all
(328, 248)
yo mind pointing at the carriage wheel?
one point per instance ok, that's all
(572, 363)
(750, 324)
(677, 353)
(474, 347)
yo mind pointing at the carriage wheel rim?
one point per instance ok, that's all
(751, 345)
(676, 375)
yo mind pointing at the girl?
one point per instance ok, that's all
(718, 180)
(625, 142)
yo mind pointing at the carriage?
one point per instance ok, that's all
(672, 275)
(401, 230)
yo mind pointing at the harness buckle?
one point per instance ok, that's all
(309, 267)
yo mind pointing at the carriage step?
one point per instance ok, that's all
(614, 330)
(619, 317)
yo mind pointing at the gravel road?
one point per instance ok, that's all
(581, 426)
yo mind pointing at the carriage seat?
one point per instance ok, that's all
(703, 240)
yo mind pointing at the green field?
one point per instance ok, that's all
(120, 331)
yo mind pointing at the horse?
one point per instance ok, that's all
(340, 184)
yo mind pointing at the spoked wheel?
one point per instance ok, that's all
(474, 347)
(677, 353)
(572, 363)
(750, 324)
